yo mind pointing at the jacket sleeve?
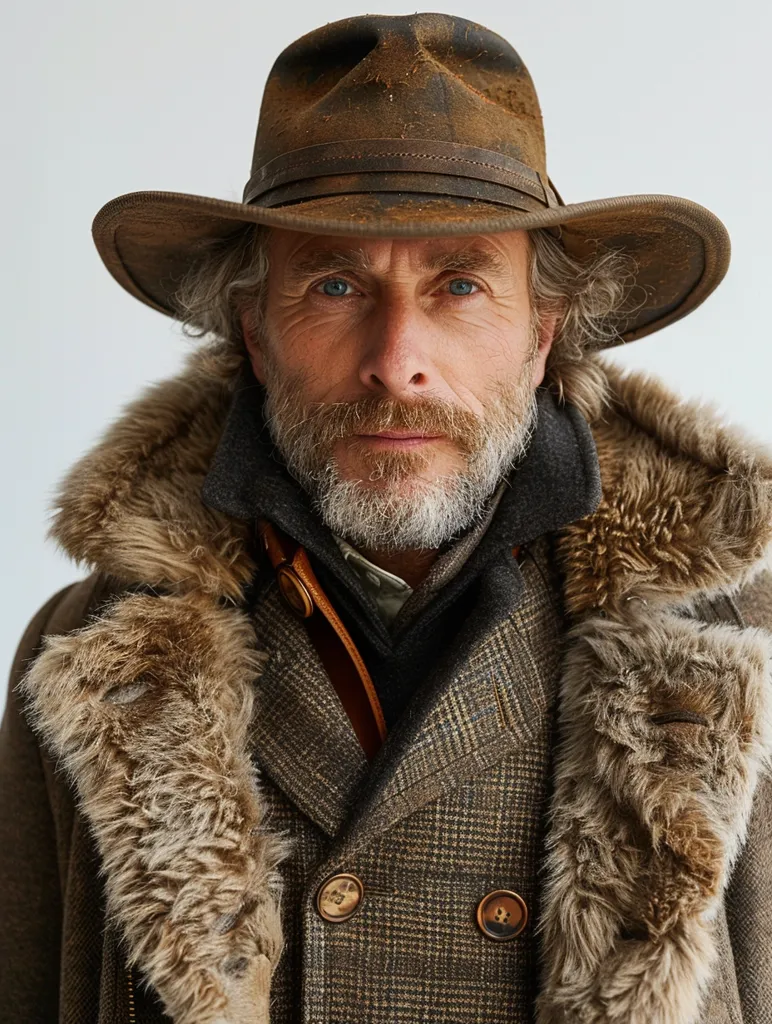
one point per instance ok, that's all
(749, 895)
(30, 894)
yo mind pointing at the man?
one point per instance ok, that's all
(422, 669)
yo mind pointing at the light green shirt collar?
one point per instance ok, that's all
(389, 592)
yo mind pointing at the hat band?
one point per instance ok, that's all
(425, 185)
(436, 159)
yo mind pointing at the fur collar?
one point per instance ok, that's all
(686, 505)
(148, 707)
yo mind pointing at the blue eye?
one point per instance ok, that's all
(335, 287)
(465, 286)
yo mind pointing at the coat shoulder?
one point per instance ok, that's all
(66, 609)
(686, 505)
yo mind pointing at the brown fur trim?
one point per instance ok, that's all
(132, 507)
(686, 507)
(664, 726)
(148, 707)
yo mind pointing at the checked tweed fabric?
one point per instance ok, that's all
(450, 811)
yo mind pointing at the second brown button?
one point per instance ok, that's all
(502, 915)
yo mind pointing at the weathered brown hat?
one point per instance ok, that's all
(417, 125)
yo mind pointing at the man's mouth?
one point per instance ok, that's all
(399, 438)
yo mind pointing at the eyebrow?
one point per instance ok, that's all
(326, 261)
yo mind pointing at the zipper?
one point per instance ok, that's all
(130, 984)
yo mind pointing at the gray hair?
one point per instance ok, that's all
(591, 298)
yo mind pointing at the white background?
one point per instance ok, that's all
(99, 99)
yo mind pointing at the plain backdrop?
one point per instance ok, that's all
(99, 99)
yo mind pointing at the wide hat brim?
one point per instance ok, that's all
(148, 240)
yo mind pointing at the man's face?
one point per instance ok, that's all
(400, 376)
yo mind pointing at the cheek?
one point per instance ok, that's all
(502, 332)
(489, 346)
(311, 343)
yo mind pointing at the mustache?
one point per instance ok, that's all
(334, 421)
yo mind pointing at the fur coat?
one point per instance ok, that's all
(660, 803)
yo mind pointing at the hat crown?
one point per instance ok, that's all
(412, 77)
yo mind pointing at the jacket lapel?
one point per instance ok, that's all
(302, 738)
(479, 709)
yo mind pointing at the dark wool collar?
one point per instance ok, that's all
(556, 483)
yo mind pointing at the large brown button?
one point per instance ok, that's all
(339, 897)
(502, 915)
(294, 591)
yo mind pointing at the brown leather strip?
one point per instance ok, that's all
(303, 568)
(337, 651)
(395, 155)
(359, 701)
(271, 543)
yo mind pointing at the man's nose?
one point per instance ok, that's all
(396, 357)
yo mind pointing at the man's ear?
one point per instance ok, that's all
(547, 327)
(252, 344)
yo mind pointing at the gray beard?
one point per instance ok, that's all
(410, 513)
(424, 515)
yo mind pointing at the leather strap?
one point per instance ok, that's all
(440, 161)
(337, 651)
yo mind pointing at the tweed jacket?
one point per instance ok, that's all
(157, 875)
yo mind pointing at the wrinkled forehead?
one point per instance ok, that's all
(301, 255)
